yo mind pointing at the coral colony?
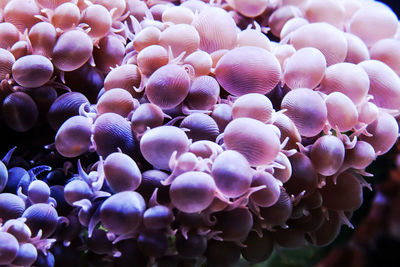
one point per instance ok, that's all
(190, 132)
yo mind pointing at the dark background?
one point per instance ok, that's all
(394, 4)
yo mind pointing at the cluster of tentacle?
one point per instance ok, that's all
(176, 132)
